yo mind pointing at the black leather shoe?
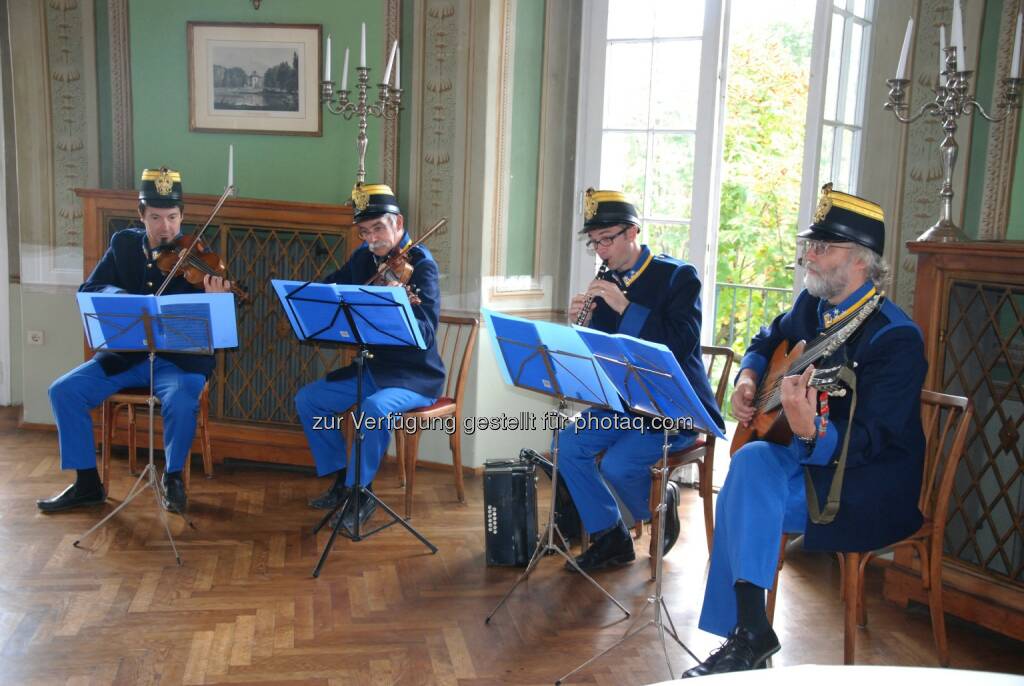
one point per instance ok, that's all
(70, 498)
(367, 506)
(331, 498)
(671, 516)
(174, 493)
(610, 549)
(743, 650)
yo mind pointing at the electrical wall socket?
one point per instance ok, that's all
(35, 338)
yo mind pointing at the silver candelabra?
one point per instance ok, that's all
(388, 105)
(952, 101)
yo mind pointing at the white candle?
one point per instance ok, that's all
(391, 63)
(327, 60)
(344, 72)
(942, 53)
(1015, 62)
(231, 165)
(901, 69)
(362, 46)
(398, 69)
(957, 37)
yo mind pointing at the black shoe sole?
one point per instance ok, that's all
(72, 506)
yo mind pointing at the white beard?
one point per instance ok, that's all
(826, 286)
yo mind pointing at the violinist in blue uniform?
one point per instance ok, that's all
(129, 266)
(764, 494)
(655, 298)
(395, 379)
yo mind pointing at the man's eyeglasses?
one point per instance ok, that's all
(371, 231)
(820, 248)
(606, 241)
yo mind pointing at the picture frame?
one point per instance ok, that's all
(255, 78)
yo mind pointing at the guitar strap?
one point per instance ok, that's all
(827, 514)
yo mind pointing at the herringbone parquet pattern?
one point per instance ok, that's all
(243, 608)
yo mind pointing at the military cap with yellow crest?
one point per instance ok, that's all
(371, 200)
(602, 209)
(841, 217)
(160, 188)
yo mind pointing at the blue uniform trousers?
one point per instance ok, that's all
(626, 466)
(763, 497)
(85, 387)
(319, 405)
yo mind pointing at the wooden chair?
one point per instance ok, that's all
(718, 363)
(456, 337)
(946, 419)
(131, 398)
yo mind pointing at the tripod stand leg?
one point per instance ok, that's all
(538, 552)
(132, 492)
(632, 631)
(327, 548)
(400, 520)
(157, 493)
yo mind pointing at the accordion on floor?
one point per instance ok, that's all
(510, 511)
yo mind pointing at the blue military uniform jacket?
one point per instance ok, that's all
(664, 307)
(127, 266)
(421, 371)
(883, 468)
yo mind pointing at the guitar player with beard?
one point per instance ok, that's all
(764, 495)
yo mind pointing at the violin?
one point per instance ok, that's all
(398, 269)
(201, 262)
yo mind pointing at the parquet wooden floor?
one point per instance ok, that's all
(243, 608)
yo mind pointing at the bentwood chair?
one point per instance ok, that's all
(946, 419)
(131, 399)
(456, 338)
(718, 363)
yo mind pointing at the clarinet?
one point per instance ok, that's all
(585, 310)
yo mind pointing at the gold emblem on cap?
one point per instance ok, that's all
(824, 204)
(164, 182)
(589, 205)
(360, 197)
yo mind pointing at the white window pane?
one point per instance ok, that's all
(835, 61)
(828, 134)
(853, 56)
(671, 176)
(630, 18)
(844, 177)
(627, 83)
(623, 163)
(671, 239)
(841, 4)
(676, 81)
(860, 8)
(674, 18)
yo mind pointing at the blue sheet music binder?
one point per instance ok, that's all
(382, 314)
(192, 322)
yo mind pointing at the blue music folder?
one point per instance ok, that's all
(188, 322)
(520, 346)
(382, 314)
(648, 378)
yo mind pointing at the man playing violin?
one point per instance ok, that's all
(129, 266)
(395, 379)
(655, 298)
(765, 491)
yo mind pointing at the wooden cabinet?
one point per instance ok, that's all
(969, 302)
(252, 406)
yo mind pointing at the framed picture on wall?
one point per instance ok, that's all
(254, 78)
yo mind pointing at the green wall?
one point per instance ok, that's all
(304, 168)
(524, 143)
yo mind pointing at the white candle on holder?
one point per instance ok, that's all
(362, 46)
(398, 69)
(391, 63)
(231, 165)
(344, 73)
(901, 69)
(327, 60)
(1015, 61)
(957, 37)
(942, 54)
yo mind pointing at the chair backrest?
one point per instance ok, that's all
(456, 339)
(946, 419)
(718, 363)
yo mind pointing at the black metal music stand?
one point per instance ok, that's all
(118, 330)
(650, 382)
(357, 315)
(549, 359)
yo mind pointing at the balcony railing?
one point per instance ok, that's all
(740, 311)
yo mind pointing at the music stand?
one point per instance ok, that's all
(356, 315)
(550, 359)
(181, 324)
(648, 378)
